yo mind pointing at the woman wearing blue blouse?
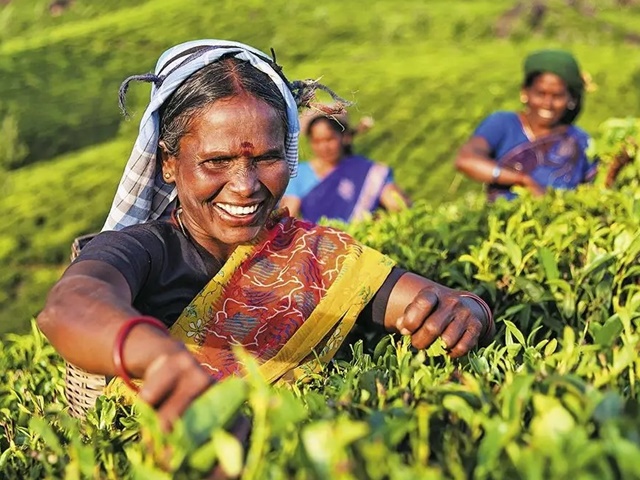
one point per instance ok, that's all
(538, 148)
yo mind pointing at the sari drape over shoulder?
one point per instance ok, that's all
(289, 299)
(349, 192)
(557, 160)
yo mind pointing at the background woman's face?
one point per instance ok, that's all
(548, 98)
(325, 142)
(231, 171)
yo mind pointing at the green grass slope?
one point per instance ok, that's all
(48, 205)
(426, 72)
(368, 49)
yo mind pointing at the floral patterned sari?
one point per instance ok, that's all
(289, 299)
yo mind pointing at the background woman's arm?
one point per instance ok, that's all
(393, 199)
(474, 160)
(292, 203)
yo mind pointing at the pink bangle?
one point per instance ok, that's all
(487, 312)
(118, 346)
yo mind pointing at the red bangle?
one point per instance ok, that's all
(118, 346)
(487, 311)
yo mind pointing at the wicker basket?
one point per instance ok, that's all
(81, 388)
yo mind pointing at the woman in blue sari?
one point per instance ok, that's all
(337, 184)
(538, 148)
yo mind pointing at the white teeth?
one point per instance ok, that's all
(545, 113)
(238, 210)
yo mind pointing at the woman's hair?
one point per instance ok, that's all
(338, 126)
(333, 123)
(222, 79)
(570, 114)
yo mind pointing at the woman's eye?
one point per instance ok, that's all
(268, 160)
(217, 162)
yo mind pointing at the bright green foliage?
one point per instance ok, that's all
(520, 408)
(556, 395)
(12, 150)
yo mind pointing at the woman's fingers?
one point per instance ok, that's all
(171, 383)
(457, 320)
(454, 331)
(431, 328)
(417, 311)
(468, 340)
(188, 388)
(158, 381)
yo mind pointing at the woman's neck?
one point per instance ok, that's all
(322, 168)
(214, 251)
(533, 131)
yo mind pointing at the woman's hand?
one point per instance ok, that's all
(443, 314)
(171, 382)
(534, 187)
(426, 310)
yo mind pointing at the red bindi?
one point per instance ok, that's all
(247, 149)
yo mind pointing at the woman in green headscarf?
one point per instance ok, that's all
(539, 147)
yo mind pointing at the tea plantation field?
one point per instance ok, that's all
(554, 397)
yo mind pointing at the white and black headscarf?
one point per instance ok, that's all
(142, 194)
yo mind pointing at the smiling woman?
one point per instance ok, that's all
(227, 186)
(195, 258)
(537, 148)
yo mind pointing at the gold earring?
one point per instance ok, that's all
(167, 175)
(524, 98)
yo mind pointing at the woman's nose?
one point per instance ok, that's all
(244, 180)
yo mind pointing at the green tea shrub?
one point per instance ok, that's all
(555, 395)
(12, 150)
(516, 409)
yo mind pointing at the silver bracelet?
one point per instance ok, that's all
(495, 173)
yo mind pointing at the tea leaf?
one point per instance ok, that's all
(549, 263)
(214, 408)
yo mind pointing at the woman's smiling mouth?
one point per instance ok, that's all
(546, 114)
(238, 210)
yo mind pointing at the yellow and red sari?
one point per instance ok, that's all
(289, 298)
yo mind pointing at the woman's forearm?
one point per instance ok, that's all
(393, 199)
(82, 317)
(487, 171)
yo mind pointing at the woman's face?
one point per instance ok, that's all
(230, 172)
(325, 142)
(548, 99)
